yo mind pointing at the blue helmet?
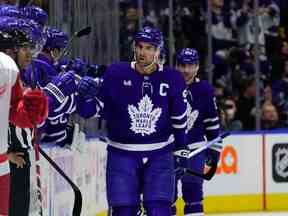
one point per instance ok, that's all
(29, 27)
(9, 10)
(187, 56)
(56, 38)
(12, 33)
(38, 37)
(150, 35)
(35, 13)
(32, 29)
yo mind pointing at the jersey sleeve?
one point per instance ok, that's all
(178, 110)
(9, 69)
(10, 75)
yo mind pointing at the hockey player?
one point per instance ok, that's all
(20, 140)
(43, 66)
(202, 125)
(60, 89)
(56, 41)
(145, 109)
(26, 108)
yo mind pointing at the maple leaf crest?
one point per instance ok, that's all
(191, 117)
(144, 118)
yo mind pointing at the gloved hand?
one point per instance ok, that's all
(36, 105)
(65, 83)
(212, 156)
(89, 87)
(181, 161)
(62, 86)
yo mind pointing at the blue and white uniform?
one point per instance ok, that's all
(146, 119)
(202, 126)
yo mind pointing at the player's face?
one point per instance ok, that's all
(145, 53)
(24, 56)
(55, 53)
(188, 71)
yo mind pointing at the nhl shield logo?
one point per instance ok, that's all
(144, 118)
(280, 162)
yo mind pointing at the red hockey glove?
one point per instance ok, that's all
(36, 105)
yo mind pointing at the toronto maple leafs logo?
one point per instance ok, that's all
(144, 118)
(192, 115)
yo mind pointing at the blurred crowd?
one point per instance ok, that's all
(233, 41)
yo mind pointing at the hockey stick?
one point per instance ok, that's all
(77, 193)
(208, 175)
(78, 34)
(190, 154)
(78, 196)
(23, 3)
(35, 143)
(36, 146)
(214, 162)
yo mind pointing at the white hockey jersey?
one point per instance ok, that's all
(8, 76)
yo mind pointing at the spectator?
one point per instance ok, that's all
(267, 96)
(246, 105)
(278, 61)
(229, 110)
(128, 29)
(222, 26)
(280, 93)
(268, 17)
(270, 117)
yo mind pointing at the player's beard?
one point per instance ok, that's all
(145, 67)
(189, 80)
